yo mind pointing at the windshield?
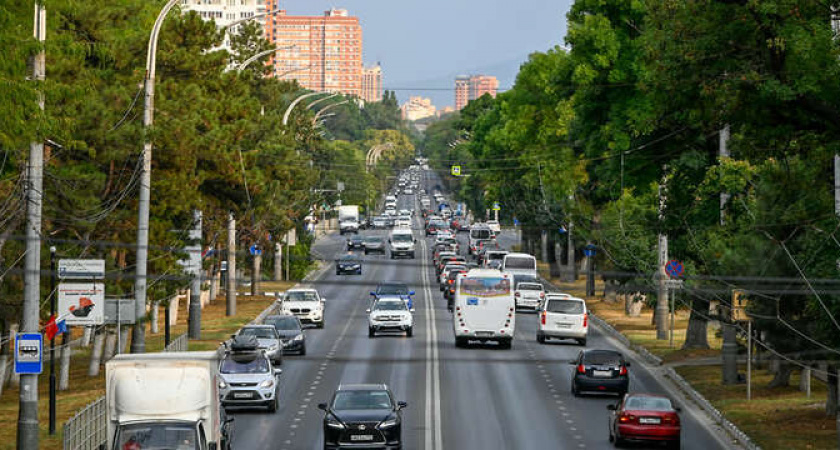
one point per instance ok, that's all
(345, 400)
(158, 436)
(565, 306)
(373, 239)
(485, 287)
(496, 255)
(300, 296)
(257, 365)
(529, 287)
(390, 305)
(649, 404)
(392, 289)
(481, 234)
(350, 258)
(520, 262)
(402, 237)
(259, 333)
(285, 323)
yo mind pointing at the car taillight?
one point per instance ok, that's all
(542, 318)
(542, 295)
(451, 280)
(516, 294)
(623, 371)
(581, 369)
(671, 419)
(625, 418)
(585, 320)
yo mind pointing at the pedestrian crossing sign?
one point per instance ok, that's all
(456, 171)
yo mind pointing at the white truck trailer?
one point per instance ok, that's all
(165, 400)
(348, 219)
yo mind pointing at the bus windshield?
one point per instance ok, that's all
(481, 233)
(520, 263)
(485, 287)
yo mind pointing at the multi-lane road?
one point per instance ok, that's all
(480, 398)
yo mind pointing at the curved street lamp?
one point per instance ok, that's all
(295, 103)
(259, 55)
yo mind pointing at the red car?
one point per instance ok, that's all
(644, 417)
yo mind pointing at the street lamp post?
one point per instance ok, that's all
(259, 55)
(303, 97)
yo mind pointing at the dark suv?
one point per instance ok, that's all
(600, 371)
(362, 415)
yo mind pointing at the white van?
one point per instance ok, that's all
(563, 317)
(401, 243)
(520, 264)
(484, 308)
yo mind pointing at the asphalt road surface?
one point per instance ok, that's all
(480, 398)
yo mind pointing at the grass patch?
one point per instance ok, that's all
(216, 327)
(776, 419)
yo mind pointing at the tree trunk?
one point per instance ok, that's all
(14, 379)
(4, 366)
(96, 353)
(729, 354)
(831, 396)
(697, 335)
(782, 376)
(110, 343)
(86, 334)
(64, 369)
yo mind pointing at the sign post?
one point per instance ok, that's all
(589, 251)
(29, 354)
(674, 269)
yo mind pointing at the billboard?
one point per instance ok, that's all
(81, 303)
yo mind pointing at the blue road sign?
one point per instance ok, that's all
(255, 250)
(561, 230)
(515, 221)
(589, 250)
(29, 354)
(674, 269)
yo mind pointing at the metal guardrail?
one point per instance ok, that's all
(88, 429)
(179, 344)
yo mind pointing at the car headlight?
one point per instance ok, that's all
(267, 383)
(298, 338)
(388, 423)
(333, 423)
(222, 384)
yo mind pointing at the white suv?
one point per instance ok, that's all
(529, 295)
(563, 317)
(306, 304)
(390, 314)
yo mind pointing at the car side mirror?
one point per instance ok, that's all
(572, 363)
(401, 405)
(278, 372)
(677, 409)
(373, 294)
(412, 310)
(611, 407)
(322, 406)
(410, 292)
(626, 364)
(367, 310)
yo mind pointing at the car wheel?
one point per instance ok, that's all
(321, 325)
(675, 445)
(409, 332)
(460, 342)
(541, 339)
(338, 272)
(272, 407)
(618, 442)
(371, 332)
(582, 342)
(575, 391)
(366, 252)
(303, 350)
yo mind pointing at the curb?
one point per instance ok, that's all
(676, 380)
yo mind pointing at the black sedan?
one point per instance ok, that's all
(290, 331)
(600, 371)
(356, 242)
(348, 264)
(363, 415)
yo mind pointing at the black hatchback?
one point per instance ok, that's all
(363, 415)
(348, 264)
(602, 371)
(291, 333)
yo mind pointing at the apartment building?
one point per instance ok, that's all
(372, 87)
(225, 12)
(469, 88)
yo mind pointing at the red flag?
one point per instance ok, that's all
(51, 329)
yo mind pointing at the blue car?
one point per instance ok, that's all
(394, 289)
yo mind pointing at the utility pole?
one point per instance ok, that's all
(729, 347)
(138, 336)
(278, 261)
(230, 288)
(570, 254)
(195, 282)
(662, 293)
(27, 432)
(723, 152)
(53, 297)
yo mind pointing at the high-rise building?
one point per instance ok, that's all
(225, 12)
(462, 92)
(323, 53)
(372, 84)
(418, 108)
(469, 88)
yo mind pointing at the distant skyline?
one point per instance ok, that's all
(423, 46)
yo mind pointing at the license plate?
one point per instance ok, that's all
(361, 437)
(649, 420)
(563, 325)
(241, 395)
(602, 373)
(484, 333)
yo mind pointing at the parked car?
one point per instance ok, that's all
(645, 418)
(362, 415)
(291, 333)
(268, 340)
(348, 264)
(563, 317)
(600, 371)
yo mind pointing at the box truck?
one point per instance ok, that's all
(348, 219)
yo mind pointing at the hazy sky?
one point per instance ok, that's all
(423, 45)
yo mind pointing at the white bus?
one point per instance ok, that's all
(520, 264)
(484, 308)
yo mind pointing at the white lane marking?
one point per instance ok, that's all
(433, 431)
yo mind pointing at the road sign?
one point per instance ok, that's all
(561, 230)
(515, 222)
(590, 250)
(82, 303)
(29, 354)
(339, 186)
(456, 171)
(674, 269)
(255, 251)
(291, 237)
(497, 206)
(126, 313)
(739, 306)
(81, 269)
(674, 284)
